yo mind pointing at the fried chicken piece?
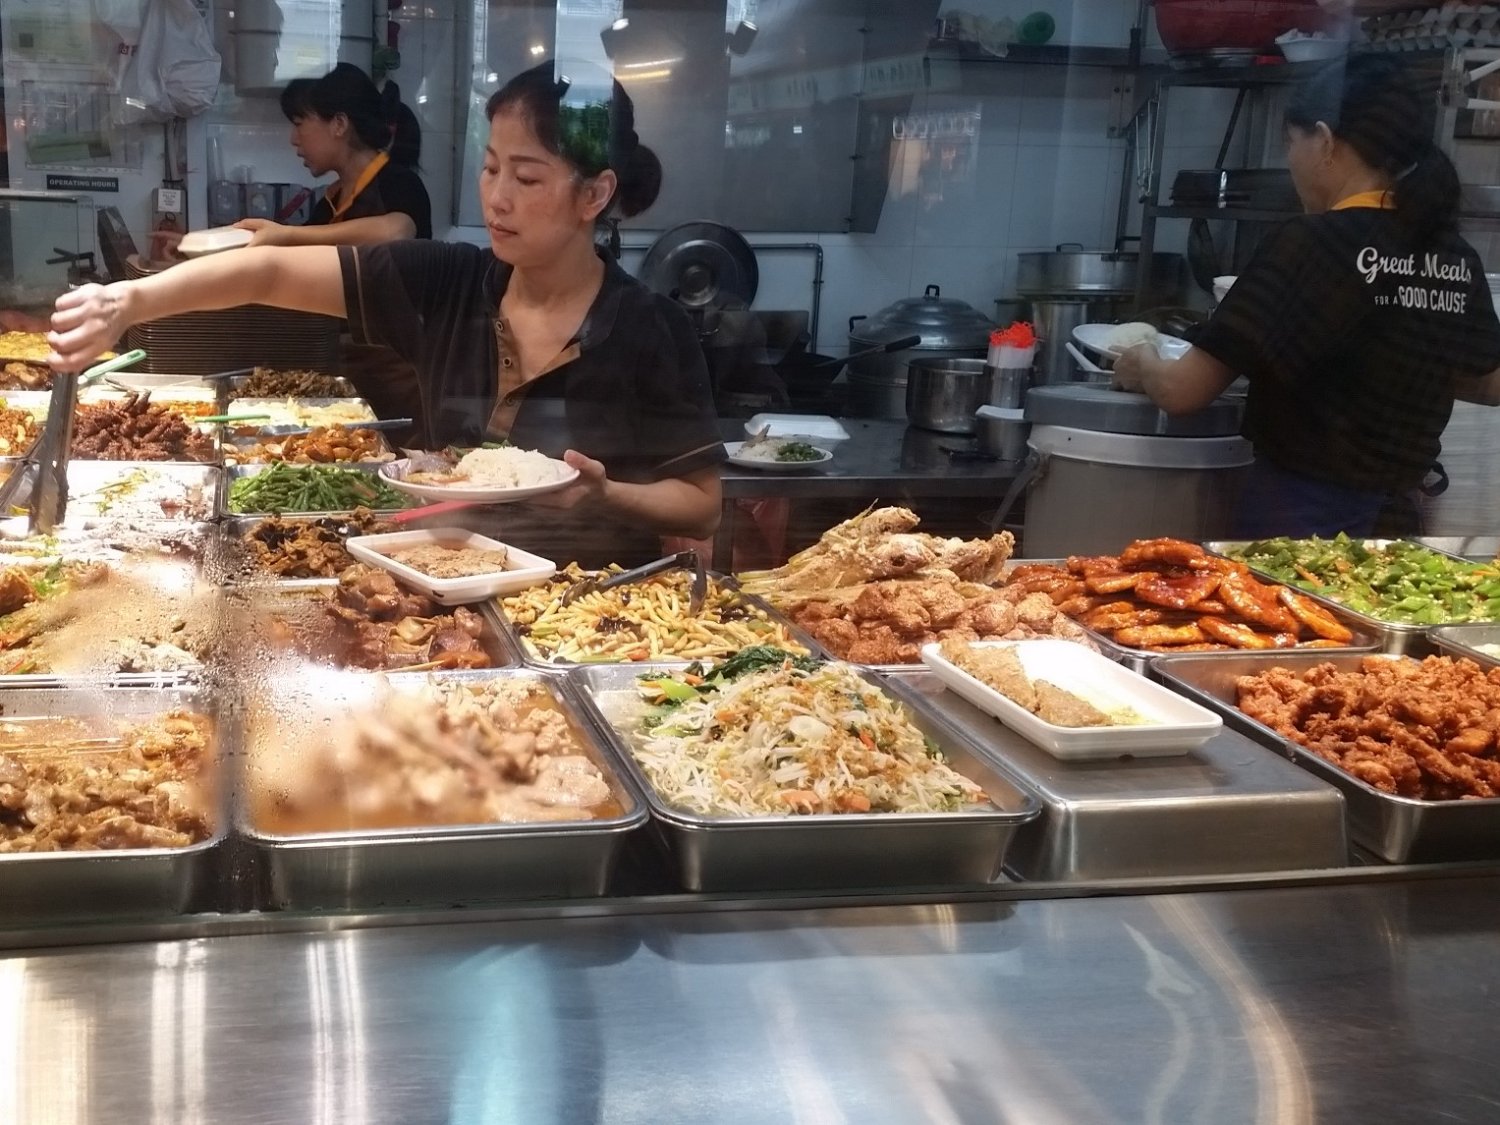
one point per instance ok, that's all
(1315, 617)
(1235, 634)
(1037, 612)
(1150, 636)
(15, 589)
(1171, 552)
(993, 618)
(1116, 581)
(878, 645)
(1183, 592)
(1086, 565)
(1256, 602)
(1082, 605)
(835, 634)
(944, 604)
(896, 557)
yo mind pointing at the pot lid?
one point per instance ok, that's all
(702, 265)
(1093, 406)
(942, 322)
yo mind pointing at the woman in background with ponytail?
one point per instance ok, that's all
(371, 142)
(1357, 324)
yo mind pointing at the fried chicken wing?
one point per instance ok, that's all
(1318, 619)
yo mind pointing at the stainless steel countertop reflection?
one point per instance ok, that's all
(1327, 1004)
(890, 459)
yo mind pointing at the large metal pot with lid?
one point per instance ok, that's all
(947, 328)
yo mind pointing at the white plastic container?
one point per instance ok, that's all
(813, 427)
(1174, 725)
(522, 570)
(215, 240)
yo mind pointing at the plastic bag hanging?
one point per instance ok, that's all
(173, 70)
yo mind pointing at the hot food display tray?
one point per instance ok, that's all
(44, 887)
(449, 865)
(1224, 808)
(1398, 829)
(825, 851)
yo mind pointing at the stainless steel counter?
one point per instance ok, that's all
(886, 461)
(1318, 1004)
(890, 461)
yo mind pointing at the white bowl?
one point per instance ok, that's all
(1313, 50)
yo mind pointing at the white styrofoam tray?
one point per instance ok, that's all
(1176, 725)
(522, 570)
(809, 427)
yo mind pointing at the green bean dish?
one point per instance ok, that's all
(312, 488)
(1399, 582)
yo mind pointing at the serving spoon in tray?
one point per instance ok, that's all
(683, 560)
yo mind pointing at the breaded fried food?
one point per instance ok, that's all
(997, 666)
(1064, 709)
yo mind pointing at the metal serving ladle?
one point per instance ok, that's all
(683, 560)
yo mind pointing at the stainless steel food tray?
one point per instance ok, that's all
(239, 382)
(237, 528)
(230, 447)
(1464, 641)
(271, 405)
(47, 887)
(1391, 636)
(162, 384)
(1140, 659)
(252, 601)
(233, 474)
(447, 866)
(1398, 829)
(87, 477)
(1227, 808)
(826, 851)
(528, 656)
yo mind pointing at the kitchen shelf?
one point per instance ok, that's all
(1225, 214)
(1273, 72)
(1048, 54)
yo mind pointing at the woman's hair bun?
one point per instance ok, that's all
(640, 181)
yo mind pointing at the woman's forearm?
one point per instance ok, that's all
(681, 506)
(92, 318)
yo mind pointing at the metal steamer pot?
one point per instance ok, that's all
(1071, 286)
(947, 329)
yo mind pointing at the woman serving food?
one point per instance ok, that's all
(1357, 324)
(539, 340)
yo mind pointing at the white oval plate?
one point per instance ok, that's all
(733, 448)
(197, 243)
(394, 473)
(1095, 338)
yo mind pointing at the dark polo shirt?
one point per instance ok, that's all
(1354, 336)
(630, 390)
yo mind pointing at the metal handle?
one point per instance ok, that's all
(932, 292)
(1065, 247)
(853, 320)
(1030, 469)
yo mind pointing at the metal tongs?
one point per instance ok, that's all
(683, 560)
(43, 472)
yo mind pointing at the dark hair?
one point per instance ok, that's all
(378, 117)
(591, 138)
(1374, 104)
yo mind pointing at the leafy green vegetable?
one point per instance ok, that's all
(756, 657)
(1400, 582)
(798, 451)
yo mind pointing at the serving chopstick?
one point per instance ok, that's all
(439, 509)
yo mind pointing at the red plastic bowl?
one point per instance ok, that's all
(1198, 26)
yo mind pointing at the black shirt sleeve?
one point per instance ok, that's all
(394, 291)
(400, 189)
(679, 431)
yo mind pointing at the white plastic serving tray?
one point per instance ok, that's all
(522, 570)
(1175, 725)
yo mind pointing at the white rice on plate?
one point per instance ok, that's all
(1126, 336)
(508, 468)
